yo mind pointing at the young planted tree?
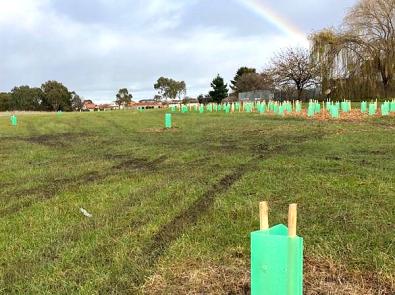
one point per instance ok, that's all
(220, 89)
(294, 67)
(169, 88)
(123, 97)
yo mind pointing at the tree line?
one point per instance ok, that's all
(51, 96)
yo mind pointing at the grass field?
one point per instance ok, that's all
(173, 209)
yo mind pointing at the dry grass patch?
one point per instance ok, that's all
(322, 277)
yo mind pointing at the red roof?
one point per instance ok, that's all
(89, 106)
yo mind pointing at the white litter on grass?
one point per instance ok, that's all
(86, 213)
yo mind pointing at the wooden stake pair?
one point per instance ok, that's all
(292, 218)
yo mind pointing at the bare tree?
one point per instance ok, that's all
(294, 67)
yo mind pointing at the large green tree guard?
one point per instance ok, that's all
(276, 262)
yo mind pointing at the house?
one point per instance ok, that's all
(88, 106)
(145, 104)
(106, 107)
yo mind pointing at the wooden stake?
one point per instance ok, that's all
(263, 216)
(292, 219)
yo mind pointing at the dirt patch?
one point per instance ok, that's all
(140, 163)
(159, 130)
(55, 140)
(200, 277)
(323, 276)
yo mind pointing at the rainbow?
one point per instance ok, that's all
(260, 8)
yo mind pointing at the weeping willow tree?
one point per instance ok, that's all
(358, 60)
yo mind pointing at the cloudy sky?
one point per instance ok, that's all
(96, 47)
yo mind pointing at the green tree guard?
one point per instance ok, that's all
(311, 110)
(364, 107)
(14, 120)
(317, 108)
(392, 106)
(168, 121)
(281, 110)
(201, 109)
(372, 109)
(385, 109)
(334, 111)
(298, 107)
(276, 257)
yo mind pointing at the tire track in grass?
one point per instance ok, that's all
(28, 197)
(171, 231)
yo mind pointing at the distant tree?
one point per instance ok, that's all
(169, 88)
(220, 89)
(123, 97)
(294, 67)
(5, 100)
(254, 81)
(76, 102)
(24, 98)
(240, 72)
(157, 97)
(57, 96)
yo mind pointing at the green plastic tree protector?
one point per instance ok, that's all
(392, 106)
(298, 107)
(385, 109)
(201, 109)
(334, 111)
(168, 121)
(276, 262)
(281, 110)
(14, 120)
(372, 109)
(317, 108)
(364, 107)
(311, 110)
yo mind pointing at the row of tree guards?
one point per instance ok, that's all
(276, 256)
(282, 108)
